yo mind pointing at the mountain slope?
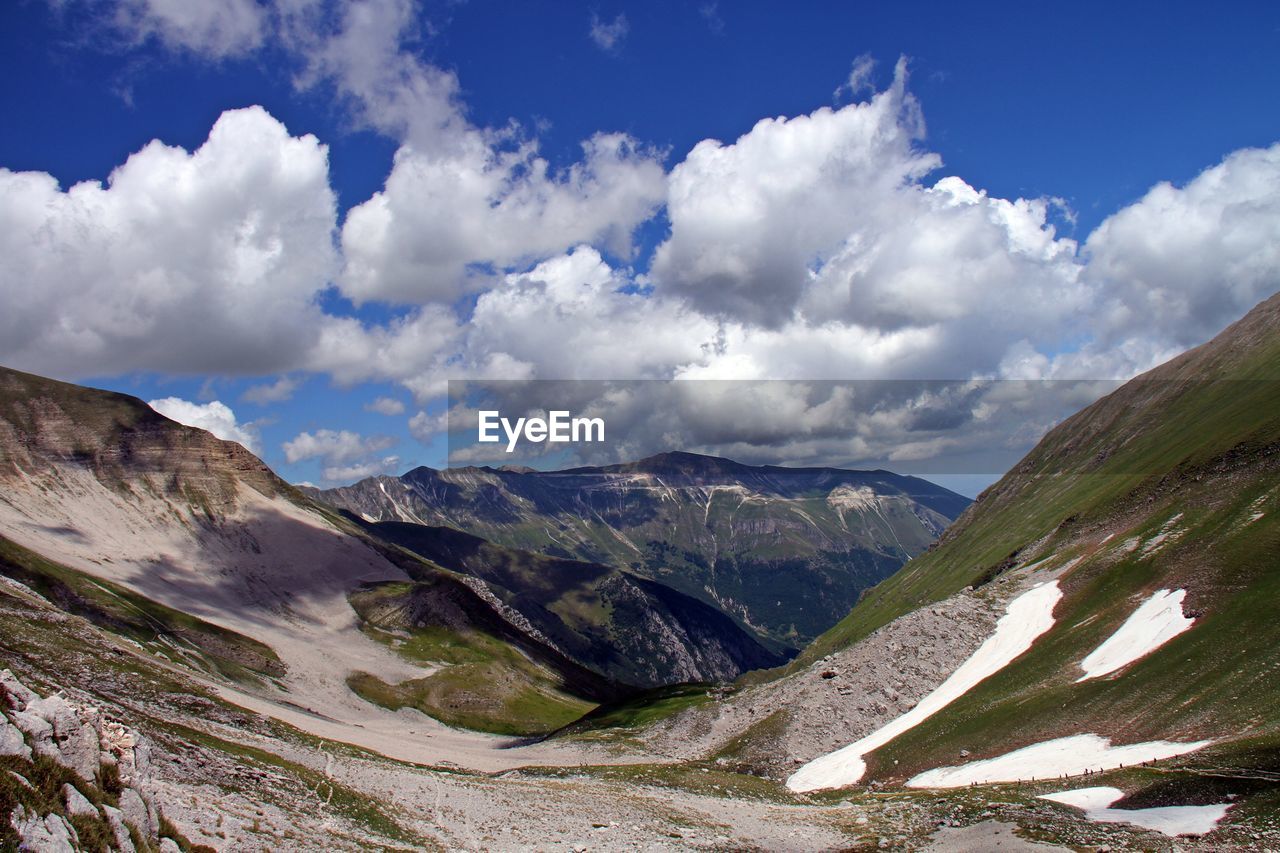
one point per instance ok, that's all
(190, 545)
(1167, 489)
(786, 551)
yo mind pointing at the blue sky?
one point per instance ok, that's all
(1078, 110)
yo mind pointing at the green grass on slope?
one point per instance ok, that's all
(487, 697)
(484, 683)
(1219, 680)
(1108, 459)
(118, 609)
(618, 718)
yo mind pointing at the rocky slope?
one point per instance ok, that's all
(786, 551)
(74, 779)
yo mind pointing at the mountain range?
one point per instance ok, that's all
(201, 655)
(785, 551)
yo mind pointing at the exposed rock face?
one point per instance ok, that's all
(48, 834)
(75, 736)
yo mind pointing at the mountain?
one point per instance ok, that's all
(786, 551)
(1118, 583)
(629, 628)
(194, 548)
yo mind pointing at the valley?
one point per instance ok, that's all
(1084, 659)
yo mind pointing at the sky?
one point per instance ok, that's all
(292, 222)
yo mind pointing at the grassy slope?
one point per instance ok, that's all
(486, 681)
(1199, 436)
(1210, 404)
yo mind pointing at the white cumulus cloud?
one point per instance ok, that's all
(386, 406)
(333, 446)
(204, 261)
(216, 417)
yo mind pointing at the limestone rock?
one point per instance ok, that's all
(77, 804)
(75, 733)
(39, 730)
(12, 741)
(50, 834)
(136, 812)
(19, 694)
(115, 820)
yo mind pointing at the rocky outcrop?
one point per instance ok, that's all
(111, 762)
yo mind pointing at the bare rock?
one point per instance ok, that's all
(19, 695)
(49, 834)
(75, 733)
(40, 731)
(138, 813)
(77, 804)
(115, 820)
(11, 740)
(168, 845)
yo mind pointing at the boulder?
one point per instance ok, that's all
(40, 731)
(137, 813)
(75, 733)
(77, 804)
(11, 740)
(115, 820)
(19, 695)
(50, 834)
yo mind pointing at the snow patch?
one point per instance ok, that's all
(1065, 756)
(1155, 623)
(1026, 618)
(1170, 820)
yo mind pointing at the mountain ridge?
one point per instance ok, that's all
(721, 531)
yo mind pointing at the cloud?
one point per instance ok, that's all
(573, 316)
(385, 406)
(859, 77)
(608, 36)
(333, 446)
(1181, 263)
(215, 28)
(360, 470)
(818, 246)
(361, 48)
(277, 392)
(204, 261)
(750, 221)
(710, 13)
(443, 214)
(216, 417)
(425, 427)
(931, 426)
